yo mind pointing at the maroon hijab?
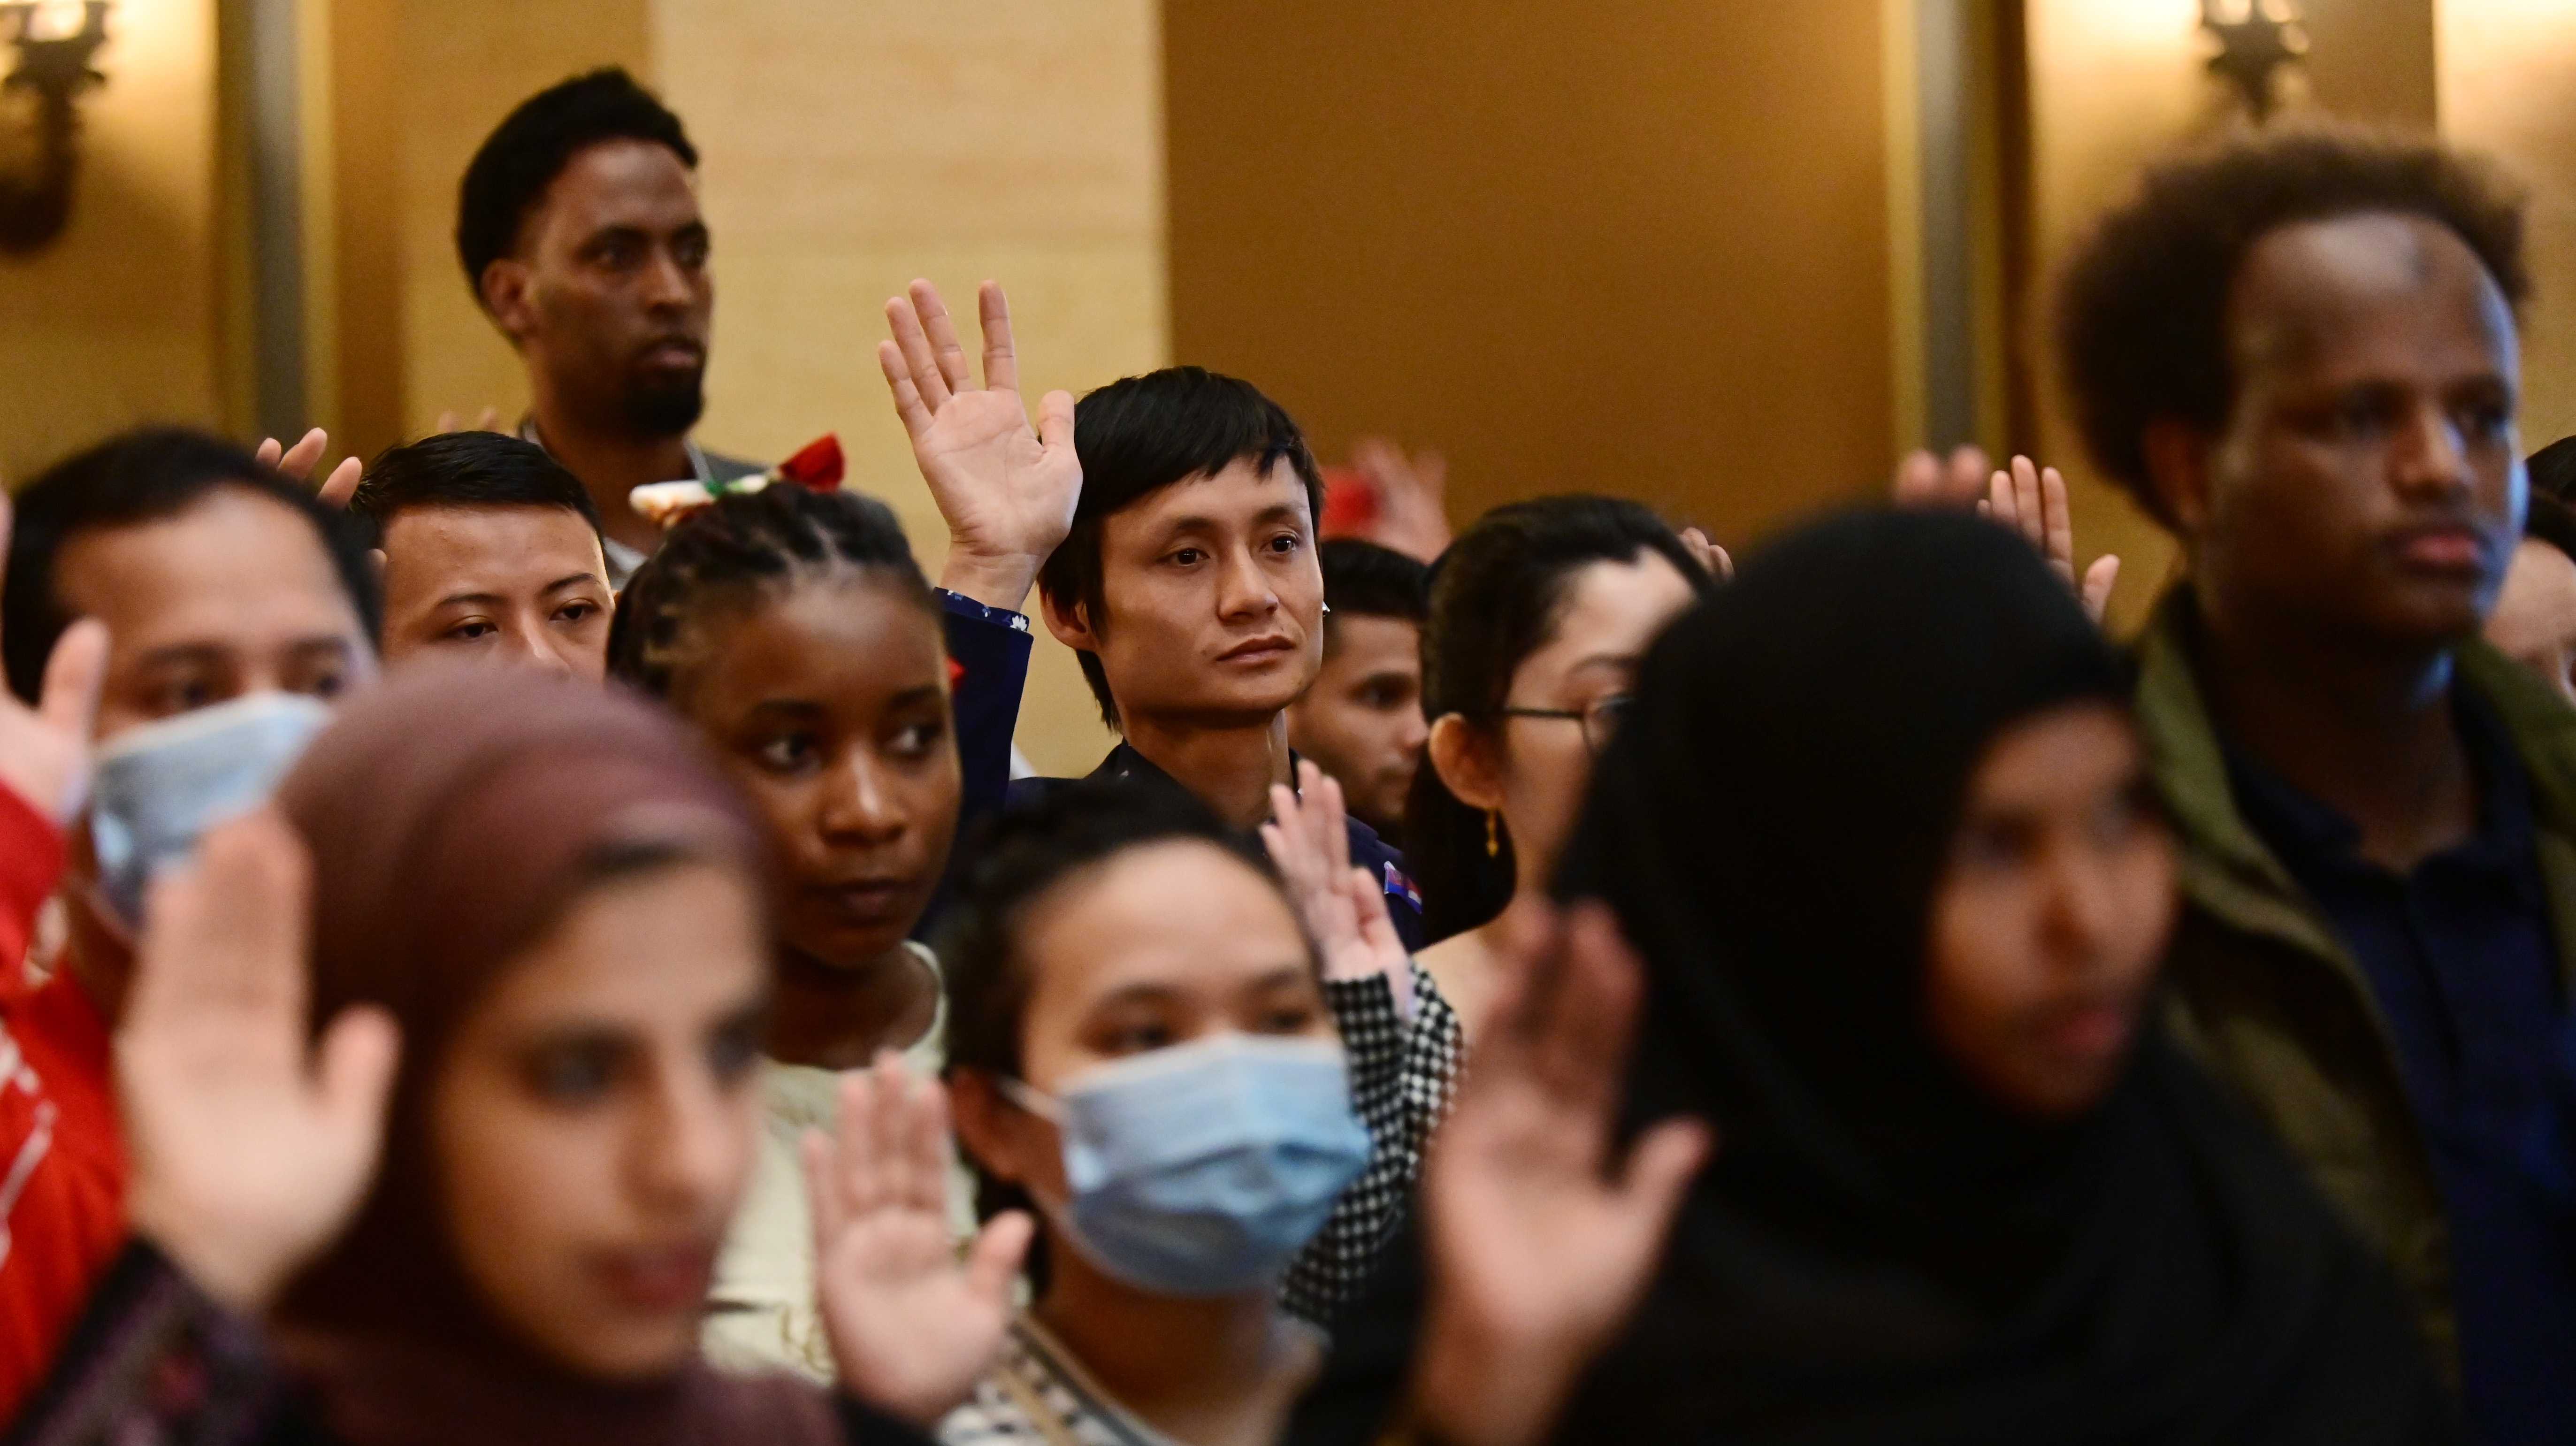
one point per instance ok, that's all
(453, 814)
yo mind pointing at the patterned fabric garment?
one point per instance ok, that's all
(1403, 1073)
(1038, 1393)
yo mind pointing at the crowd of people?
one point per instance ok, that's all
(481, 960)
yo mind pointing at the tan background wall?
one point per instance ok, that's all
(1646, 257)
(120, 322)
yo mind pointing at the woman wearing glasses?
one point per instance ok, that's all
(1539, 613)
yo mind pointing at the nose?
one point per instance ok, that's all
(694, 1144)
(668, 285)
(1243, 588)
(534, 651)
(859, 804)
(2082, 908)
(1415, 731)
(2431, 458)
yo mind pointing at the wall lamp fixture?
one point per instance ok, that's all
(55, 41)
(2256, 39)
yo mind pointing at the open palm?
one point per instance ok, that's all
(44, 750)
(1006, 489)
(912, 1328)
(1344, 908)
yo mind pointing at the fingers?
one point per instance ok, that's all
(341, 484)
(443, 423)
(488, 420)
(2026, 503)
(926, 1146)
(356, 1075)
(73, 675)
(300, 459)
(993, 313)
(942, 331)
(823, 1203)
(267, 452)
(891, 1129)
(907, 396)
(919, 361)
(1331, 820)
(856, 1179)
(1968, 466)
(1055, 421)
(1918, 479)
(1661, 1166)
(2099, 580)
(226, 932)
(1377, 927)
(2057, 522)
(1583, 1047)
(993, 1264)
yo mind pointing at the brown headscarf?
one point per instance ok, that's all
(453, 814)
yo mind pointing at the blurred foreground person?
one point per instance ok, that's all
(1361, 719)
(561, 909)
(490, 549)
(2301, 356)
(181, 617)
(2534, 622)
(1539, 615)
(1900, 919)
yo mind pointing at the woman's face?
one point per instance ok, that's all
(1160, 945)
(593, 1121)
(2052, 913)
(1611, 614)
(2534, 621)
(829, 705)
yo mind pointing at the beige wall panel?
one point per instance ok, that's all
(463, 64)
(2506, 70)
(1641, 249)
(118, 322)
(849, 147)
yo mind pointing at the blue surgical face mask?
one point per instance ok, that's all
(157, 789)
(1204, 1168)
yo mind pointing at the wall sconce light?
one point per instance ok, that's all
(2256, 38)
(55, 40)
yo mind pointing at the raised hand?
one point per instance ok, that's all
(451, 420)
(1926, 480)
(251, 1146)
(1713, 559)
(301, 460)
(2031, 500)
(44, 750)
(1412, 497)
(1344, 907)
(1540, 1241)
(912, 1328)
(1006, 489)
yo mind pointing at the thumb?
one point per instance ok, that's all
(1055, 420)
(343, 481)
(1660, 1169)
(358, 1055)
(2099, 580)
(999, 1248)
(73, 678)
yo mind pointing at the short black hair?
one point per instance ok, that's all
(467, 469)
(1364, 580)
(2142, 308)
(1496, 597)
(134, 478)
(1139, 435)
(2553, 471)
(521, 158)
(738, 545)
(1020, 857)
(2552, 521)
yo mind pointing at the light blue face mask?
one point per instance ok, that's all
(1204, 1168)
(158, 788)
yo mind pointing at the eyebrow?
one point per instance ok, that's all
(1275, 512)
(1605, 660)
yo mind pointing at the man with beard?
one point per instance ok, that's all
(579, 230)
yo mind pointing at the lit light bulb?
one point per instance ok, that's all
(56, 19)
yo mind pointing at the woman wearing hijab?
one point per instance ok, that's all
(554, 903)
(1879, 829)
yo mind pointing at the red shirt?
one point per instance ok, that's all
(62, 1157)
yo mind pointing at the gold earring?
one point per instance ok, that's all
(1493, 840)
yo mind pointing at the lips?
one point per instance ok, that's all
(660, 1280)
(2089, 1029)
(1257, 651)
(866, 901)
(2449, 550)
(675, 353)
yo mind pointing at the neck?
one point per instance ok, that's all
(834, 1017)
(1156, 1351)
(610, 464)
(1230, 769)
(2368, 733)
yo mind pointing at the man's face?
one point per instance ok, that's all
(1362, 720)
(608, 292)
(234, 595)
(2369, 482)
(1211, 600)
(523, 584)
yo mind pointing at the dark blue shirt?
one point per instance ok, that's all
(1368, 851)
(2461, 956)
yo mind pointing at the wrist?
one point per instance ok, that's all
(1000, 580)
(231, 1273)
(1477, 1386)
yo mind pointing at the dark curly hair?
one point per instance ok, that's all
(729, 552)
(2142, 308)
(521, 158)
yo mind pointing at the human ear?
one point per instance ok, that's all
(2177, 458)
(1463, 757)
(505, 289)
(1070, 622)
(987, 1125)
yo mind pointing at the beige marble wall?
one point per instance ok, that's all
(851, 145)
(120, 321)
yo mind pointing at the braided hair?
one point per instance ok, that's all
(745, 545)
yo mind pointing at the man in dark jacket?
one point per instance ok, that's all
(2300, 355)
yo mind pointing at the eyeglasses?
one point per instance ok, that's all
(1600, 718)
